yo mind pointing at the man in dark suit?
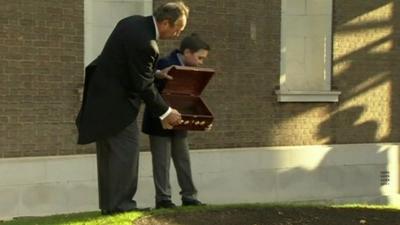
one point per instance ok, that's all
(115, 84)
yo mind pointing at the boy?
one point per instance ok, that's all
(166, 143)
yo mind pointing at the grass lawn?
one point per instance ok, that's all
(232, 214)
(89, 218)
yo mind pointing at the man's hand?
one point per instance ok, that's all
(165, 125)
(163, 74)
(174, 118)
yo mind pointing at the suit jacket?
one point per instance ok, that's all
(152, 125)
(118, 79)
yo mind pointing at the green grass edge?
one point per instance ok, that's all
(95, 218)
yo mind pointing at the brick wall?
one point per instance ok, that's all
(241, 94)
(366, 68)
(41, 63)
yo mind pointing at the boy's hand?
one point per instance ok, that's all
(208, 128)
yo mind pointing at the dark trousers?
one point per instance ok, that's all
(117, 168)
(162, 150)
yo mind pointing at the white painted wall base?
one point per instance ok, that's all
(333, 174)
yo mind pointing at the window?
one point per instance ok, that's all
(101, 16)
(306, 52)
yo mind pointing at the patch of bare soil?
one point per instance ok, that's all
(278, 216)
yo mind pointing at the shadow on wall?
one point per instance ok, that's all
(367, 73)
(365, 70)
(350, 117)
(362, 70)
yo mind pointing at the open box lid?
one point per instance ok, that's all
(188, 80)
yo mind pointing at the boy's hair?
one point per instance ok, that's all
(171, 11)
(194, 43)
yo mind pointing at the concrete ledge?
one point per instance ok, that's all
(307, 96)
(336, 174)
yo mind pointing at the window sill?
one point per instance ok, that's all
(307, 96)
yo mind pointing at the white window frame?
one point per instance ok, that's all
(306, 52)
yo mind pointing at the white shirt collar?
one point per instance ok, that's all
(156, 28)
(180, 58)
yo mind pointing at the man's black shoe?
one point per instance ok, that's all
(165, 204)
(192, 202)
(109, 212)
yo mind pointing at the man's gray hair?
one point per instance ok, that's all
(171, 11)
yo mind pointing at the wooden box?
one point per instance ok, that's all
(183, 94)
